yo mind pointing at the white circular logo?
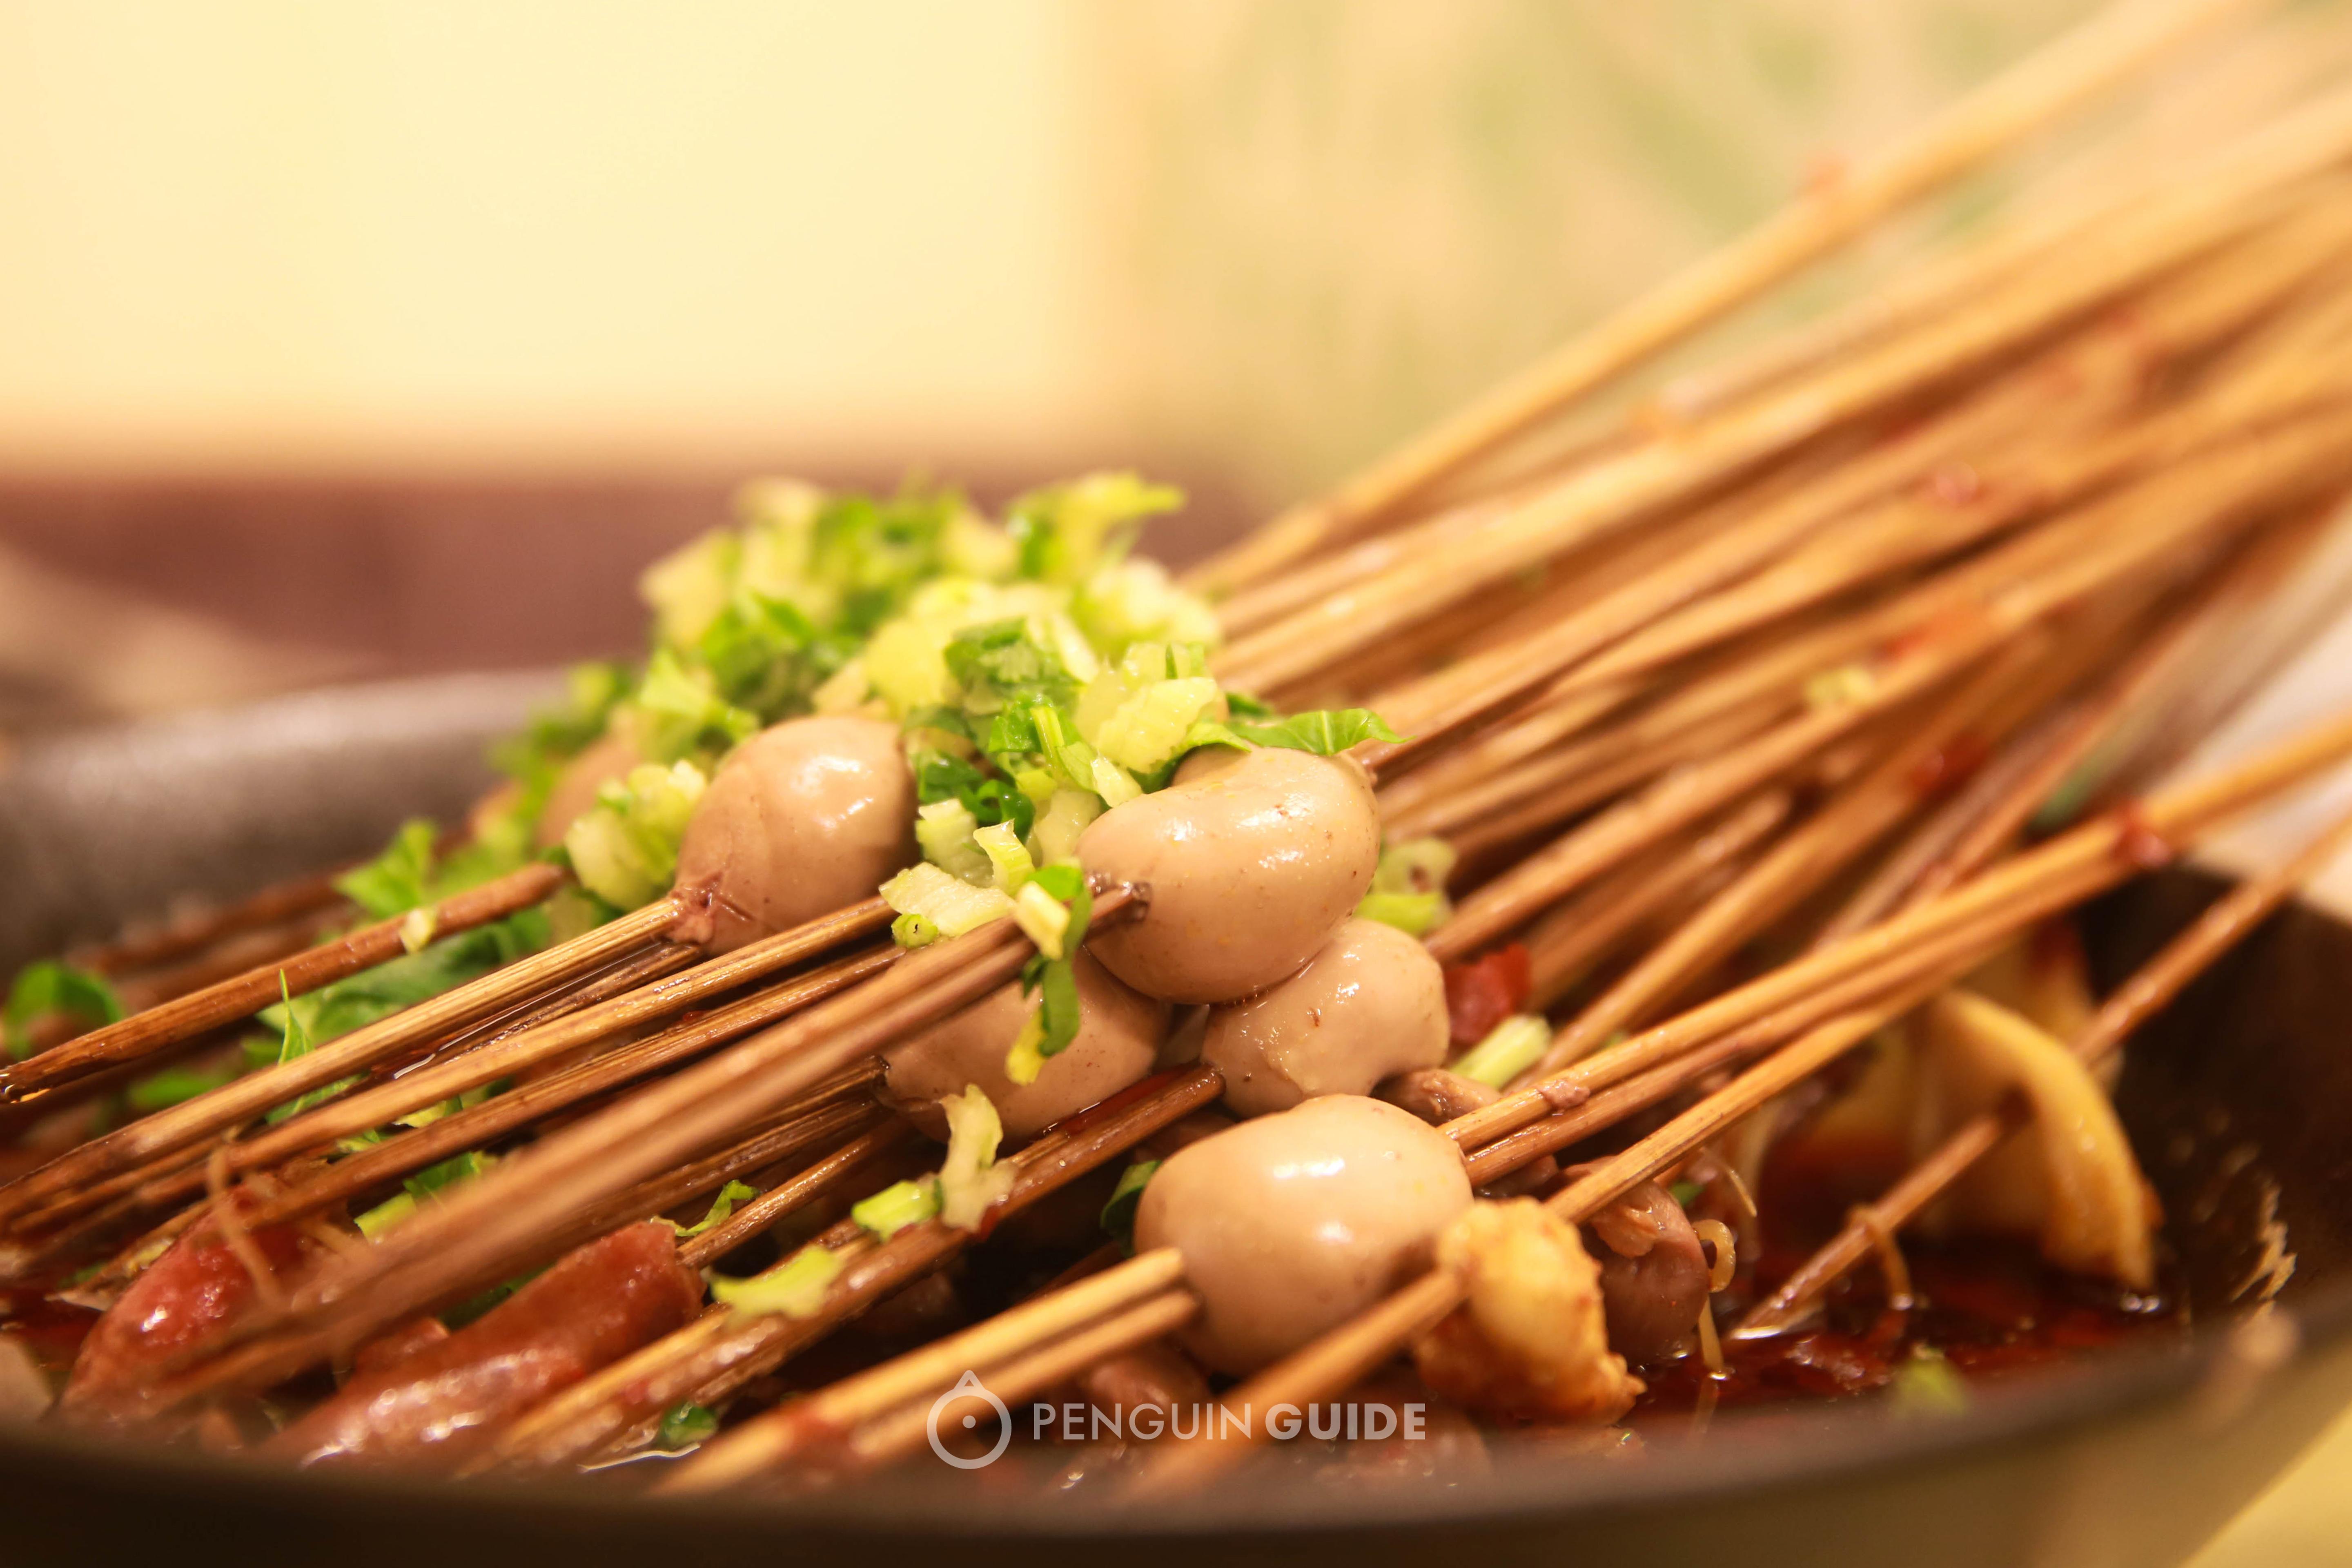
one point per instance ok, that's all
(970, 1383)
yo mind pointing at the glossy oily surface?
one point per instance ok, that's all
(1291, 1224)
(1370, 1004)
(804, 817)
(1253, 859)
(1118, 1044)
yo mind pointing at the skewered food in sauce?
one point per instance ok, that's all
(1292, 1223)
(1253, 859)
(685, 1053)
(801, 819)
(1369, 1004)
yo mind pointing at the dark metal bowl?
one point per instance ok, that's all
(2237, 1098)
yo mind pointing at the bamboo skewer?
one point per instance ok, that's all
(2171, 232)
(230, 1000)
(1775, 531)
(1867, 809)
(717, 1353)
(2122, 535)
(495, 1218)
(2229, 920)
(821, 1424)
(2070, 867)
(1566, 942)
(187, 938)
(2102, 53)
(1833, 1021)
(834, 1428)
(84, 1170)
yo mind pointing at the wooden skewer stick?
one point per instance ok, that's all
(822, 1421)
(248, 1097)
(247, 994)
(176, 1128)
(182, 1172)
(1350, 1353)
(2091, 61)
(289, 901)
(1867, 807)
(710, 1357)
(477, 1125)
(835, 1427)
(2165, 522)
(1570, 940)
(363, 1108)
(893, 1437)
(2072, 866)
(300, 1189)
(790, 1196)
(473, 1236)
(2168, 233)
(2229, 920)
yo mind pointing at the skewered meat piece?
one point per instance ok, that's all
(804, 817)
(1437, 1096)
(1653, 1274)
(1253, 859)
(1370, 1004)
(427, 1409)
(1118, 1044)
(1530, 1343)
(198, 1288)
(1292, 1223)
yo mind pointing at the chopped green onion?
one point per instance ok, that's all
(1026, 1059)
(1326, 733)
(1001, 844)
(1042, 916)
(945, 829)
(1415, 914)
(721, 1208)
(794, 1288)
(1927, 1385)
(685, 1425)
(971, 1178)
(952, 905)
(913, 931)
(1509, 1049)
(897, 1207)
(1119, 1214)
(416, 930)
(624, 850)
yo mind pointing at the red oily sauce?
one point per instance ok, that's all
(1987, 1308)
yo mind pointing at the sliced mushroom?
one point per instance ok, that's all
(2072, 1182)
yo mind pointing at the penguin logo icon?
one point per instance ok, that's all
(970, 1383)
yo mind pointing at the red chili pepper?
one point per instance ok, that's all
(1481, 995)
(1949, 766)
(2139, 844)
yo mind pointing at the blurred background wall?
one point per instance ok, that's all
(344, 339)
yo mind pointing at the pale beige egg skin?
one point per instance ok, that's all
(1291, 1224)
(1117, 1045)
(804, 818)
(606, 759)
(1253, 858)
(1370, 1004)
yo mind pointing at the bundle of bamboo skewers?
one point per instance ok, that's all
(1797, 652)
